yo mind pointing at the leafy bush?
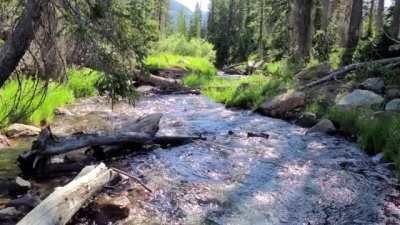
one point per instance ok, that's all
(82, 81)
(194, 64)
(31, 107)
(322, 45)
(180, 45)
(375, 48)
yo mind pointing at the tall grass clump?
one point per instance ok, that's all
(283, 69)
(19, 102)
(374, 133)
(180, 45)
(83, 81)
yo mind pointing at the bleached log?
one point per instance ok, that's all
(59, 207)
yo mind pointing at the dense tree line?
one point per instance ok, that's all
(298, 29)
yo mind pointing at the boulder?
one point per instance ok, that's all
(62, 112)
(360, 98)
(375, 84)
(21, 130)
(278, 106)
(4, 142)
(323, 126)
(313, 73)
(307, 119)
(393, 105)
(392, 93)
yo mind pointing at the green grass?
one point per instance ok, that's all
(195, 65)
(375, 134)
(32, 108)
(246, 92)
(82, 81)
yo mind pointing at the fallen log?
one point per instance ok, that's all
(346, 69)
(64, 202)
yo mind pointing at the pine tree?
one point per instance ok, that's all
(195, 25)
(182, 28)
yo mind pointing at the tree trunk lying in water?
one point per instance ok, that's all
(134, 136)
(64, 202)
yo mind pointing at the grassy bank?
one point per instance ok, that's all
(374, 132)
(195, 65)
(246, 92)
(26, 101)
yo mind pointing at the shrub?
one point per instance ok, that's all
(180, 45)
(375, 48)
(82, 81)
(322, 45)
(283, 69)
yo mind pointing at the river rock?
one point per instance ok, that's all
(25, 203)
(307, 119)
(323, 126)
(62, 112)
(393, 105)
(278, 106)
(111, 209)
(21, 130)
(4, 142)
(392, 93)
(146, 89)
(9, 213)
(360, 98)
(375, 84)
(19, 187)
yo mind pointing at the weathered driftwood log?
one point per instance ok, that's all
(346, 69)
(36, 161)
(64, 202)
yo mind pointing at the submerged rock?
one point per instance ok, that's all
(278, 106)
(393, 105)
(375, 84)
(323, 126)
(360, 98)
(21, 130)
(62, 112)
(307, 119)
(9, 213)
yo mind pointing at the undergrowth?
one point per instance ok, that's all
(373, 132)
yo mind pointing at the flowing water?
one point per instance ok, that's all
(291, 178)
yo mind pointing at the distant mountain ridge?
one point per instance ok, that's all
(176, 7)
